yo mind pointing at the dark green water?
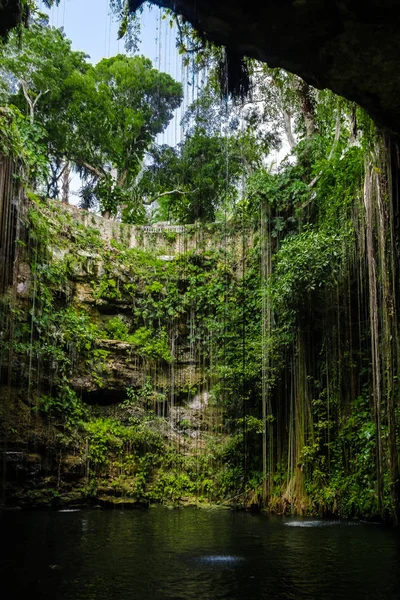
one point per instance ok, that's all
(162, 554)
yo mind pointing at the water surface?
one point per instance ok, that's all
(186, 554)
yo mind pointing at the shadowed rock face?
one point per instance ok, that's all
(10, 15)
(349, 46)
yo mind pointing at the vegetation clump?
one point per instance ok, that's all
(248, 355)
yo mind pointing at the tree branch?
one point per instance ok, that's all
(40, 94)
(169, 194)
(287, 121)
(31, 103)
(92, 169)
(24, 86)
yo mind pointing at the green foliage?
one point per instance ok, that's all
(198, 180)
(36, 76)
(190, 182)
(283, 193)
(285, 335)
(347, 484)
(138, 103)
(134, 450)
(98, 118)
(23, 141)
(170, 236)
(305, 264)
(117, 329)
(152, 345)
(145, 396)
(64, 406)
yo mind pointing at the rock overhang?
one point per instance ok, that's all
(348, 46)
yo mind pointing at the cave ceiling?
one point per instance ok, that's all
(348, 46)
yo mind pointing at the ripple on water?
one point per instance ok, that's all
(220, 558)
(68, 510)
(313, 523)
(195, 555)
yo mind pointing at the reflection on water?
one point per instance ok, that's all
(183, 555)
(319, 523)
(220, 559)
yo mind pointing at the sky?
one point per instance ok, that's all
(91, 28)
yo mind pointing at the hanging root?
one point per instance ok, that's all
(295, 499)
(233, 74)
(135, 4)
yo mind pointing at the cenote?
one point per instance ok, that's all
(199, 300)
(185, 554)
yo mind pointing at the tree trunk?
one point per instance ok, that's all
(307, 107)
(65, 183)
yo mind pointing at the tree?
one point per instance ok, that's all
(199, 177)
(100, 119)
(35, 76)
(191, 181)
(118, 109)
